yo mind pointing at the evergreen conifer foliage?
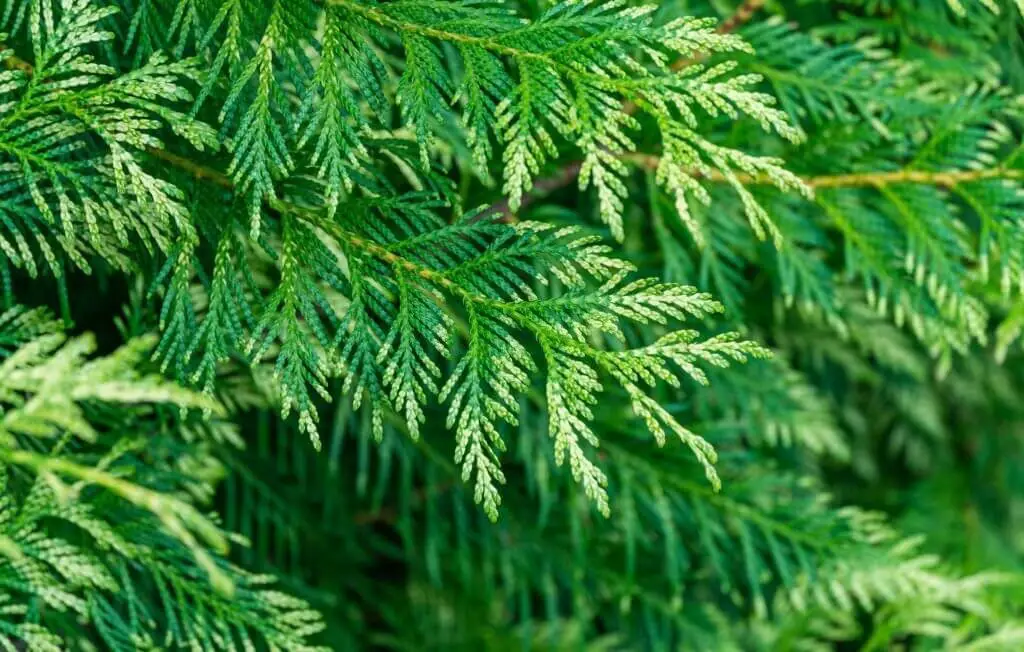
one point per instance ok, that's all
(413, 285)
(488, 267)
(102, 491)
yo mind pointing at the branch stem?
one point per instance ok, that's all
(14, 63)
(741, 16)
(943, 178)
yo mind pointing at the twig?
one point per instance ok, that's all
(541, 187)
(198, 171)
(946, 178)
(14, 63)
(943, 178)
(741, 16)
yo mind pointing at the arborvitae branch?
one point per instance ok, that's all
(569, 172)
(566, 175)
(218, 178)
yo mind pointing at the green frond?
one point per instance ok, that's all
(128, 526)
(827, 84)
(74, 136)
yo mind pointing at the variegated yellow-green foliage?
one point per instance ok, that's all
(472, 324)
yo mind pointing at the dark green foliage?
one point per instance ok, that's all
(378, 376)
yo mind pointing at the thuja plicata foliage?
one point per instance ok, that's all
(485, 325)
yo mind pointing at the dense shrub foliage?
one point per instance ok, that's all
(483, 325)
